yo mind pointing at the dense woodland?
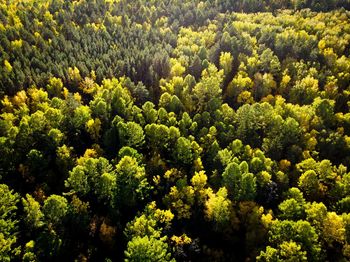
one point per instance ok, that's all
(175, 130)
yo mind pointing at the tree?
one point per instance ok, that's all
(235, 122)
(131, 180)
(287, 251)
(130, 134)
(34, 216)
(74, 76)
(150, 223)
(128, 151)
(149, 112)
(55, 209)
(291, 209)
(176, 69)
(226, 61)
(304, 91)
(147, 249)
(343, 205)
(312, 170)
(29, 255)
(144, 235)
(218, 208)
(82, 115)
(333, 230)
(78, 180)
(300, 232)
(117, 96)
(241, 184)
(308, 182)
(55, 86)
(252, 121)
(93, 176)
(315, 214)
(281, 134)
(199, 183)
(7, 67)
(181, 197)
(325, 110)
(183, 151)
(157, 136)
(8, 223)
(270, 254)
(93, 126)
(270, 62)
(208, 90)
(171, 103)
(239, 84)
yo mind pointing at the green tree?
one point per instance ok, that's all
(149, 112)
(93, 176)
(270, 62)
(130, 134)
(144, 235)
(252, 121)
(239, 84)
(304, 91)
(240, 183)
(183, 151)
(147, 249)
(308, 183)
(157, 136)
(291, 209)
(55, 208)
(315, 214)
(300, 232)
(132, 184)
(287, 251)
(8, 223)
(81, 116)
(208, 90)
(34, 216)
(55, 86)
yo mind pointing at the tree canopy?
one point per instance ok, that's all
(174, 130)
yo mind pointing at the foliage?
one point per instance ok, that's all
(174, 130)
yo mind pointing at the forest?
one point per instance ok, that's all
(174, 130)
